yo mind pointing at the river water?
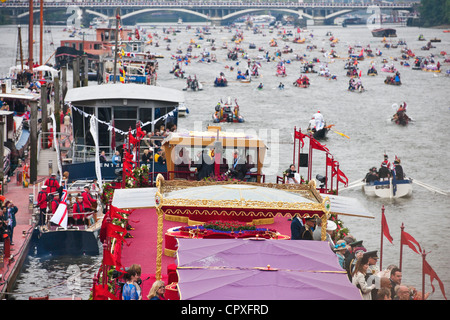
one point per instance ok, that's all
(273, 113)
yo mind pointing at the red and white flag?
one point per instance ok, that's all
(60, 216)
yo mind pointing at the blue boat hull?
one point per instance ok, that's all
(66, 242)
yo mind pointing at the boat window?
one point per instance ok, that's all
(146, 115)
(125, 113)
(81, 127)
(104, 135)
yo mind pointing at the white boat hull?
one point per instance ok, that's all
(389, 189)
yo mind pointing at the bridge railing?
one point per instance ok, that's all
(199, 4)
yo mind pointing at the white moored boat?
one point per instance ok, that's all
(389, 188)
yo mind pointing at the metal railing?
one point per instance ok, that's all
(46, 141)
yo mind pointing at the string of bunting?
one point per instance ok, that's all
(111, 127)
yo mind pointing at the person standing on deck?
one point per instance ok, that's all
(88, 202)
(42, 204)
(78, 210)
(52, 184)
(55, 203)
(320, 122)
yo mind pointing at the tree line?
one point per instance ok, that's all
(434, 12)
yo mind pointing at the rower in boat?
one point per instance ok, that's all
(390, 183)
(355, 85)
(395, 80)
(302, 82)
(372, 71)
(221, 81)
(400, 116)
(317, 126)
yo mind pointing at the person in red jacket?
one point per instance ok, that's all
(55, 202)
(88, 202)
(78, 207)
(52, 184)
(42, 204)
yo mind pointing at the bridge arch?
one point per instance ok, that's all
(245, 11)
(338, 13)
(128, 15)
(98, 14)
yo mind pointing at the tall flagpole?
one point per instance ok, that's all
(401, 246)
(310, 158)
(293, 153)
(30, 36)
(381, 242)
(116, 44)
(423, 274)
(41, 30)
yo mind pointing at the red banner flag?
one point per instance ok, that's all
(335, 171)
(299, 135)
(132, 139)
(101, 292)
(342, 177)
(108, 258)
(317, 145)
(428, 270)
(385, 227)
(113, 230)
(407, 239)
(139, 132)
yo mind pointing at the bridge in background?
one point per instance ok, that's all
(216, 12)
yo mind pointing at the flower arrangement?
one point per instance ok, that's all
(228, 226)
(341, 231)
(139, 178)
(108, 192)
(232, 228)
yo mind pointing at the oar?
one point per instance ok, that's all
(358, 184)
(428, 187)
(341, 134)
(354, 182)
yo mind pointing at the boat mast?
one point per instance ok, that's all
(19, 54)
(116, 43)
(30, 36)
(41, 31)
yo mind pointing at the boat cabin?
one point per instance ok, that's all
(104, 39)
(185, 150)
(15, 112)
(117, 108)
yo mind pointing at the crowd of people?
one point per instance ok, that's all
(151, 147)
(51, 195)
(8, 211)
(131, 287)
(359, 263)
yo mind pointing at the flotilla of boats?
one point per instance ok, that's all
(111, 126)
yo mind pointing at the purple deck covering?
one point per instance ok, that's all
(222, 269)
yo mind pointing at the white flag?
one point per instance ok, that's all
(60, 216)
(94, 133)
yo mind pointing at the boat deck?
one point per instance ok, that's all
(141, 249)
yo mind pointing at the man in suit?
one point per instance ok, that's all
(296, 226)
(238, 168)
(306, 231)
